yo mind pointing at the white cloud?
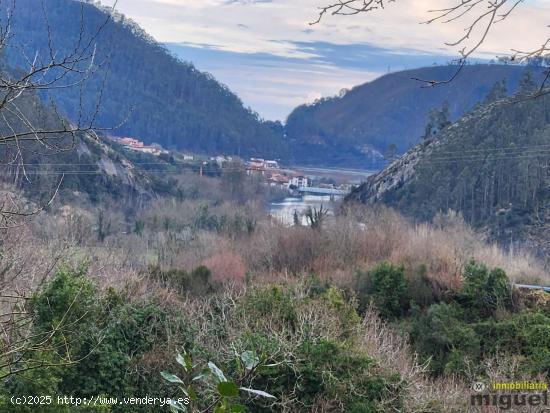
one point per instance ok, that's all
(271, 25)
(281, 28)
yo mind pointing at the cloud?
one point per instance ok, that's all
(274, 85)
(216, 22)
(268, 53)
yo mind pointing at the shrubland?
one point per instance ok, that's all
(366, 312)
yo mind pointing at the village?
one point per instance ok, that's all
(295, 181)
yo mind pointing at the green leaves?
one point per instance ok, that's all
(257, 392)
(216, 372)
(228, 389)
(250, 360)
(176, 407)
(217, 391)
(171, 378)
(185, 361)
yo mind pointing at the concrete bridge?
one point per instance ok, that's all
(322, 191)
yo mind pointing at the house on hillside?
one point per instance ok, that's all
(137, 145)
(253, 169)
(221, 160)
(299, 181)
(278, 179)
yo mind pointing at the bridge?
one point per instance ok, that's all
(532, 287)
(321, 191)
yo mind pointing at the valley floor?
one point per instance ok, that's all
(351, 312)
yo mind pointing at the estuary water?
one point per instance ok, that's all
(284, 210)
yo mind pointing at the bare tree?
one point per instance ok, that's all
(316, 217)
(28, 125)
(479, 17)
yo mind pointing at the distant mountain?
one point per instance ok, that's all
(392, 109)
(493, 166)
(161, 99)
(167, 101)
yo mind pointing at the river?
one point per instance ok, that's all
(284, 210)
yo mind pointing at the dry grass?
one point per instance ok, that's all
(356, 240)
(361, 239)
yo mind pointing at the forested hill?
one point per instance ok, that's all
(170, 102)
(493, 166)
(160, 99)
(392, 109)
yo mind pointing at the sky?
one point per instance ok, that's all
(268, 53)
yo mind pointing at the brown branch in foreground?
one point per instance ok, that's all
(481, 17)
(24, 129)
(27, 126)
(350, 8)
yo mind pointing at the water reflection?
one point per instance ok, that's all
(284, 211)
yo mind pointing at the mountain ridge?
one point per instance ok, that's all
(164, 99)
(393, 109)
(168, 101)
(492, 166)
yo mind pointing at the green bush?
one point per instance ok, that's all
(385, 286)
(197, 282)
(524, 334)
(441, 335)
(450, 334)
(316, 286)
(104, 346)
(484, 291)
(66, 313)
(419, 289)
(308, 366)
(274, 301)
(327, 371)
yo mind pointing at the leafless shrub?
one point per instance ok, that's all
(226, 267)
(363, 238)
(393, 353)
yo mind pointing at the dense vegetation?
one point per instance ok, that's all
(160, 98)
(321, 313)
(492, 166)
(309, 343)
(183, 108)
(390, 110)
(460, 330)
(151, 277)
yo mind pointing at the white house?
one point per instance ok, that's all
(299, 181)
(271, 165)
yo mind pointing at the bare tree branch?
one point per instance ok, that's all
(28, 125)
(479, 17)
(43, 73)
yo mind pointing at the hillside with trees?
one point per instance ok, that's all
(492, 166)
(148, 93)
(134, 283)
(145, 91)
(389, 114)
